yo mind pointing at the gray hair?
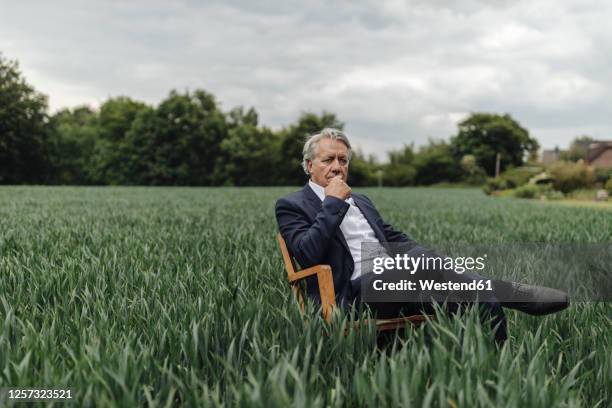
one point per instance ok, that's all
(311, 144)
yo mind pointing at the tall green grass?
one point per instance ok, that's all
(177, 296)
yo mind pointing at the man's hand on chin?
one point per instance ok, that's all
(338, 188)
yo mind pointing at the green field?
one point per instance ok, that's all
(170, 296)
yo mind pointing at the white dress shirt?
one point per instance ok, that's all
(354, 227)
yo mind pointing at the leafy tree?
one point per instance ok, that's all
(23, 114)
(474, 174)
(435, 163)
(362, 170)
(400, 170)
(468, 164)
(578, 149)
(404, 156)
(116, 117)
(238, 117)
(72, 136)
(292, 142)
(178, 142)
(249, 155)
(138, 150)
(485, 134)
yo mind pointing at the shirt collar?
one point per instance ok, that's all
(320, 191)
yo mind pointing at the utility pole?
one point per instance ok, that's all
(379, 174)
(497, 162)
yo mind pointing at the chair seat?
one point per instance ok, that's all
(325, 282)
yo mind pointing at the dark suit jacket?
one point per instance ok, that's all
(311, 229)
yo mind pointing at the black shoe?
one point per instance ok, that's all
(536, 300)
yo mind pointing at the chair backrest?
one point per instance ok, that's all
(287, 258)
(291, 269)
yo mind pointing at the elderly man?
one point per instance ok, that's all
(327, 223)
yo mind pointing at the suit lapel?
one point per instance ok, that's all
(313, 203)
(369, 216)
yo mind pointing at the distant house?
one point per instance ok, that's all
(599, 154)
(550, 156)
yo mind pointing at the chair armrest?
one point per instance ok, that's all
(304, 273)
(326, 286)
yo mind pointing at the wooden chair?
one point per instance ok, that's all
(328, 295)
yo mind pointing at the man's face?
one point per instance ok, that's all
(331, 160)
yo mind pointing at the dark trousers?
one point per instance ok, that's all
(489, 307)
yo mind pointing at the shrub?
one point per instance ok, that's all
(603, 175)
(399, 175)
(519, 176)
(609, 186)
(537, 191)
(551, 194)
(474, 174)
(476, 179)
(494, 184)
(528, 191)
(541, 179)
(571, 176)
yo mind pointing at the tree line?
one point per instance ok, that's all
(187, 139)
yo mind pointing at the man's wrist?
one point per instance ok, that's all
(335, 204)
(336, 196)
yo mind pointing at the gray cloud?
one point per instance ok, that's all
(397, 72)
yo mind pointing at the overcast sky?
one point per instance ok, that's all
(396, 72)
